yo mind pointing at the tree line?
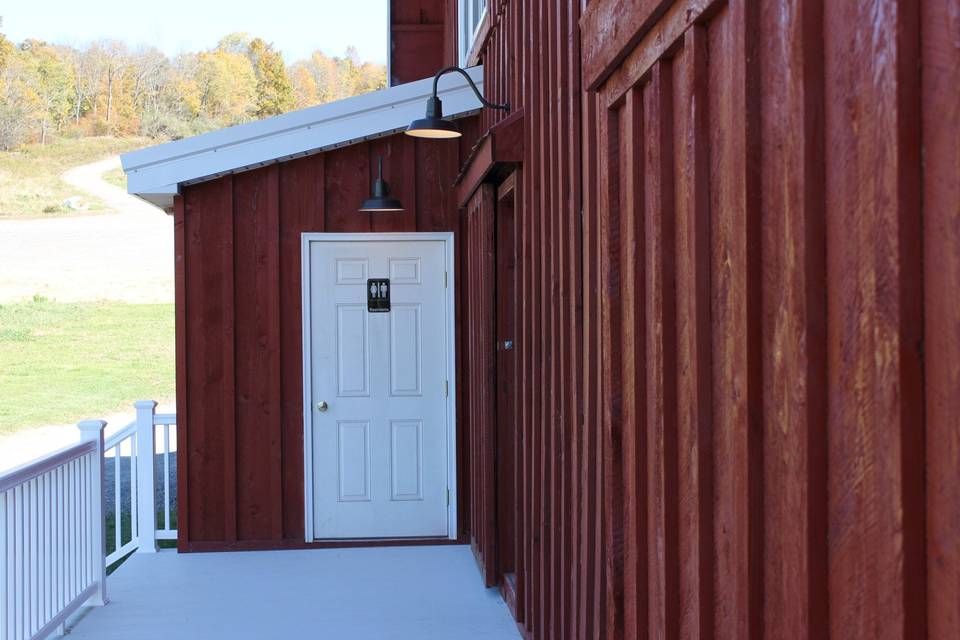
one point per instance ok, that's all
(107, 88)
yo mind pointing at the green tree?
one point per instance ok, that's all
(16, 104)
(274, 91)
(236, 42)
(50, 80)
(224, 87)
(6, 48)
(304, 86)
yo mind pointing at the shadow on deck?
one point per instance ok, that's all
(416, 593)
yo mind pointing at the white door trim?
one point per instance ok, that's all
(306, 240)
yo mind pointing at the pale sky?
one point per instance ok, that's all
(295, 27)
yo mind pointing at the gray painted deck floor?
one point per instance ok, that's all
(386, 593)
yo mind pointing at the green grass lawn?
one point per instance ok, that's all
(116, 177)
(30, 184)
(63, 362)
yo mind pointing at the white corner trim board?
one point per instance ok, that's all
(155, 174)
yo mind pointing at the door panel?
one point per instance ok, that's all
(380, 448)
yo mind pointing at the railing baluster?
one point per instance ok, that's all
(42, 536)
(166, 477)
(4, 593)
(30, 555)
(117, 519)
(134, 503)
(78, 521)
(72, 532)
(46, 594)
(58, 538)
(20, 562)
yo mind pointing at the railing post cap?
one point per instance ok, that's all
(91, 425)
(91, 429)
(145, 404)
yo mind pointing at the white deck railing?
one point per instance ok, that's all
(54, 526)
(51, 538)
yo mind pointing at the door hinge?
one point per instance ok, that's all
(448, 496)
(446, 277)
(446, 388)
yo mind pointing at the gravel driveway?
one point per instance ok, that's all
(126, 256)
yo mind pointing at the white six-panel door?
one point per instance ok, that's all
(380, 445)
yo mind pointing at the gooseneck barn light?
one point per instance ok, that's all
(433, 125)
(381, 200)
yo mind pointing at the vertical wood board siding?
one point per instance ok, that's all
(736, 322)
(762, 438)
(240, 381)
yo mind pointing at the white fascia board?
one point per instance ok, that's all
(155, 174)
(160, 197)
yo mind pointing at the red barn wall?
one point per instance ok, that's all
(739, 368)
(239, 358)
(420, 43)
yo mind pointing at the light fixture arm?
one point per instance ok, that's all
(436, 78)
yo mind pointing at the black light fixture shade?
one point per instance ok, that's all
(381, 199)
(433, 124)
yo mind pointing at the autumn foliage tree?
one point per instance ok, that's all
(105, 88)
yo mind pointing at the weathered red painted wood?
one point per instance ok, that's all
(481, 327)
(779, 468)
(694, 347)
(592, 581)
(611, 30)
(633, 367)
(567, 337)
(399, 156)
(229, 392)
(537, 592)
(876, 412)
(572, 334)
(506, 388)
(257, 355)
(611, 391)
(436, 206)
(659, 41)
(941, 228)
(661, 422)
(501, 145)
(550, 398)
(301, 204)
(208, 211)
(243, 234)
(348, 181)
(418, 33)
(182, 371)
(735, 295)
(794, 322)
(524, 569)
(749, 320)
(417, 52)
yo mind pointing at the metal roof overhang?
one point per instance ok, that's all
(155, 174)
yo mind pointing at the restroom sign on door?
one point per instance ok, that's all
(378, 295)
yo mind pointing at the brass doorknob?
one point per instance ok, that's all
(322, 405)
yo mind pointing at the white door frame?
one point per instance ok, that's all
(306, 240)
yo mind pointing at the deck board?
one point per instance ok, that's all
(358, 593)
